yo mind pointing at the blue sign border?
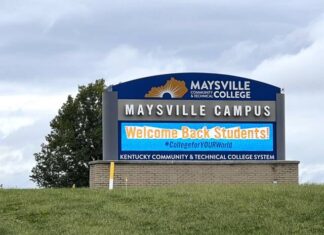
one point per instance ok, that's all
(226, 154)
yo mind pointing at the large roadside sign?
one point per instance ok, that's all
(193, 117)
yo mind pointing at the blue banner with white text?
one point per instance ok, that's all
(197, 137)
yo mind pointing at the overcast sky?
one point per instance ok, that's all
(48, 48)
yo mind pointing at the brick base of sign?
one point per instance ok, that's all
(172, 173)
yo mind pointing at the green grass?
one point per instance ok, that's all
(209, 209)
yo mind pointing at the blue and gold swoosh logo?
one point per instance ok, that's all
(172, 88)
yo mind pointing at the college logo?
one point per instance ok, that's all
(172, 88)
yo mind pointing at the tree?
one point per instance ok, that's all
(74, 140)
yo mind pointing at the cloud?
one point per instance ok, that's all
(24, 122)
(125, 62)
(13, 163)
(246, 55)
(16, 153)
(301, 71)
(21, 11)
(10, 124)
(59, 43)
(20, 110)
(301, 74)
(312, 173)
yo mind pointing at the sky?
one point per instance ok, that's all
(49, 47)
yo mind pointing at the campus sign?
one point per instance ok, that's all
(193, 117)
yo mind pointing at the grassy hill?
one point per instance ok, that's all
(209, 209)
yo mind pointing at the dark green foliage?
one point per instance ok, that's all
(75, 139)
